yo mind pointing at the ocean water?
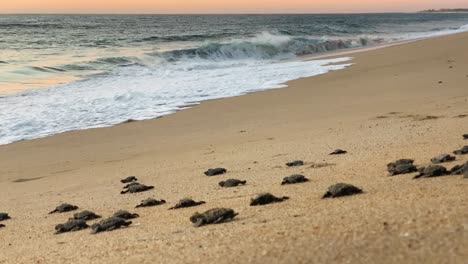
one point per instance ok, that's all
(81, 71)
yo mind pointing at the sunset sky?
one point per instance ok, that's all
(221, 6)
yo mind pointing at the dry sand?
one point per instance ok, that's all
(389, 105)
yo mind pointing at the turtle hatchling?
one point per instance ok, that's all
(137, 188)
(150, 202)
(213, 216)
(129, 179)
(64, 208)
(186, 203)
(216, 171)
(338, 152)
(109, 224)
(401, 166)
(231, 183)
(131, 184)
(4, 216)
(461, 151)
(85, 215)
(125, 214)
(442, 158)
(71, 225)
(431, 171)
(341, 189)
(266, 198)
(295, 178)
(295, 163)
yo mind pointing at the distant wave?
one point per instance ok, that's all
(194, 37)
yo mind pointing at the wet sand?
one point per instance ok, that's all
(390, 104)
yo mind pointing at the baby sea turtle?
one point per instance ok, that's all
(338, 152)
(442, 158)
(266, 198)
(401, 166)
(64, 208)
(295, 178)
(341, 189)
(71, 225)
(85, 215)
(131, 184)
(461, 151)
(431, 171)
(186, 203)
(137, 188)
(295, 163)
(213, 216)
(231, 183)
(150, 202)
(465, 136)
(4, 216)
(129, 179)
(109, 224)
(125, 214)
(216, 171)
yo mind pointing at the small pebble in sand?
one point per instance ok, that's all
(231, 183)
(216, 171)
(129, 179)
(213, 216)
(109, 224)
(431, 171)
(295, 178)
(266, 198)
(186, 203)
(150, 202)
(4, 216)
(85, 215)
(338, 152)
(461, 151)
(341, 189)
(137, 188)
(401, 166)
(442, 158)
(71, 225)
(125, 214)
(2, 225)
(295, 163)
(64, 208)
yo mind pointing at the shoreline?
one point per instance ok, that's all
(388, 105)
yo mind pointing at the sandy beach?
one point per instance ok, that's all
(404, 101)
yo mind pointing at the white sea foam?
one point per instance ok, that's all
(138, 93)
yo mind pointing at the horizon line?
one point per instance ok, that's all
(279, 13)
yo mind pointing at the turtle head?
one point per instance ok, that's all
(221, 183)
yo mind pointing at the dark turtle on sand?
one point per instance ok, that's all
(295, 163)
(266, 198)
(465, 136)
(131, 184)
(431, 171)
(213, 216)
(216, 171)
(231, 183)
(341, 189)
(442, 158)
(71, 225)
(125, 214)
(85, 215)
(129, 179)
(150, 202)
(110, 224)
(2, 225)
(338, 152)
(4, 216)
(137, 188)
(64, 208)
(186, 203)
(295, 178)
(461, 151)
(401, 166)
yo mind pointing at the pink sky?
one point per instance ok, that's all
(222, 6)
